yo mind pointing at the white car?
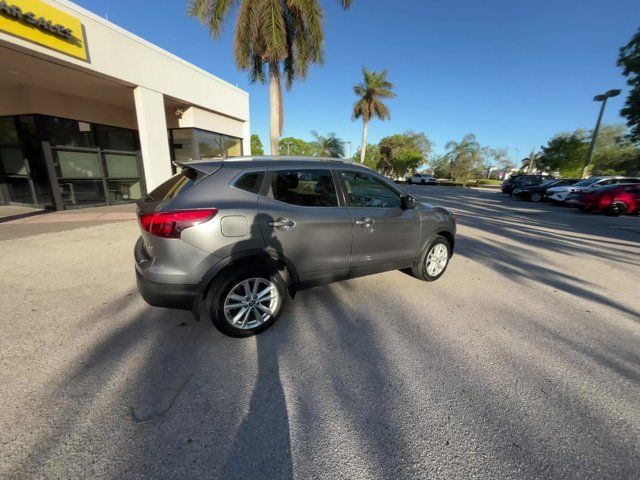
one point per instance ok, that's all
(422, 179)
(560, 194)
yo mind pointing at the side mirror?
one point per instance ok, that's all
(407, 202)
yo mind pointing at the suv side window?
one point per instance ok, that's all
(365, 190)
(307, 188)
(250, 182)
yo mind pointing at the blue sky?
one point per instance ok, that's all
(512, 72)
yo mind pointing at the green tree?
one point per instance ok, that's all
(403, 153)
(282, 36)
(629, 60)
(565, 154)
(370, 94)
(615, 153)
(329, 146)
(256, 145)
(296, 146)
(371, 158)
(441, 166)
(530, 162)
(463, 156)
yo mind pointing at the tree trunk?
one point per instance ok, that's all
(275, 109)
(363, 147)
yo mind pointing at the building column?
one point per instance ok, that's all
(246, 139)
(154, 139)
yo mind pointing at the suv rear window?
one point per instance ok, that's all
(250, 182)
(171, 188)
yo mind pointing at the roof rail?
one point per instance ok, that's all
(285, 158)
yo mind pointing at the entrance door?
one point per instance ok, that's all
(385, 236)
(303, 219)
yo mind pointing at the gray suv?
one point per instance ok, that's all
(232, 239)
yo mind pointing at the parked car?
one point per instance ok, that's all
(422, 179)
(560, 194)
(614, 200)
(523, 181)
(507, 185)
(232, 239)
(535, 193)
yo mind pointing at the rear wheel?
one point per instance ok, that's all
(584, 209)
(536, 197)
(433, 261)
(616, 209)
(246, 301)
(409, 181)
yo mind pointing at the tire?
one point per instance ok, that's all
(409, 181)
(231, 282)
(616, 209)
(421, 270)
(422, 182)
(584, 209)
(536, 197)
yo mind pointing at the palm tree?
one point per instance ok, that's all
(462, 155)
(369, 104)
(282, 36)
(530, 162)
(329, 146)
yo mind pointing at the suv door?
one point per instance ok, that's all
(385, 236)
(302, 218)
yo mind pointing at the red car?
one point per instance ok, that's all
(613, 200)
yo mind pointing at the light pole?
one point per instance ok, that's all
(598, 98)
(288, 144)
(349, 143)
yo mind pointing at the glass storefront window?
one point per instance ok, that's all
(68, 133)
(196, 144)
(114, 138)
(121, 166)
(78, 192)
(124, 190)
(77, 164)
(12, 161)
(209, 144)
(8, 132)
(232, 146)
(182, 144)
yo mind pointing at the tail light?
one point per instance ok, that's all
(171, 224)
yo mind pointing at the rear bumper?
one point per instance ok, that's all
(166, 295)
(159, 294)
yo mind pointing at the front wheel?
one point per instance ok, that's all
(535, 197)
(246, 301)
(434, 260)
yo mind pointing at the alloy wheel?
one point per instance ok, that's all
(251, 303)
(437, 259)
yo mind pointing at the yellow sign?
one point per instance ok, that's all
(45, 25)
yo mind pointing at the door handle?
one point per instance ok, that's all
(365, 221)
(283, 223)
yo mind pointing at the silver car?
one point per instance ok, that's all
(232, 239)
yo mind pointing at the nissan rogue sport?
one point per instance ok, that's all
(232, 239)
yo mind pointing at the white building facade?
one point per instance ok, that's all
(91, 114)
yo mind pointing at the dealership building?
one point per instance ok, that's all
(91, 114)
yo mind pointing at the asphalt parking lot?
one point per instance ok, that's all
(523, 361)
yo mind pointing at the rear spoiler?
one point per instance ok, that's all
(206, 167)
